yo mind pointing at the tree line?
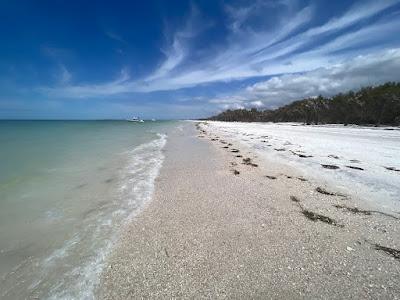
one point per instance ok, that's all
(379, 105)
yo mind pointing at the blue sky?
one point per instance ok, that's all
(188, 59)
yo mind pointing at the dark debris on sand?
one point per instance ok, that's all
(317, 217)
(235, 150)
(295, 199)
(355, 168)
(393, 252)
(270, 177)
(330, 167)
(392, 169)
(302, 179)
(236, 172)
(325, 192)
(301, 155)
(248, 162)
(354, 210)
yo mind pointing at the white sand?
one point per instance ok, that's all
(369, 148)
(211, 234)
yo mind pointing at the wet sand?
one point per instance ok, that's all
(223, 227)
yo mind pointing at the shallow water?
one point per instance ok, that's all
(66, 188)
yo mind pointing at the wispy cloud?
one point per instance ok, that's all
(178, 49)
(291, 46)
(65, 75)
(114, 36)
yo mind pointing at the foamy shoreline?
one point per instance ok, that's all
(221, 228)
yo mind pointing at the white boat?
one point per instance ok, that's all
(136, 119)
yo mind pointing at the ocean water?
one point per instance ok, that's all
(66, 190)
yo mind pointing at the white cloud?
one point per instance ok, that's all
(288, 47)
(349, 75)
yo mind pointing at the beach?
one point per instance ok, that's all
(63, 200)
(227, 222)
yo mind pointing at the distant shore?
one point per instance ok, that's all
(225, 222)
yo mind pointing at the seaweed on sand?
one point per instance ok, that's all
(270, 177)
(354, 210)
(294, 199)
(325, 192)
(393, 252)
(330, 167)
(301, 155)
(317, 217)
(235, 150)
(355, 168)
(313, 216)
(392, 169)
(247, 161)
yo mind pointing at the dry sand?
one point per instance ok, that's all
(209, 233)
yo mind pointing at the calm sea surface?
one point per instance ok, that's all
(66, 189)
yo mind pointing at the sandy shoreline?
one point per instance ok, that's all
(209, 233)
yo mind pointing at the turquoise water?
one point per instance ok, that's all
(66, 189)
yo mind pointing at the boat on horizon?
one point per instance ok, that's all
(136, 119)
